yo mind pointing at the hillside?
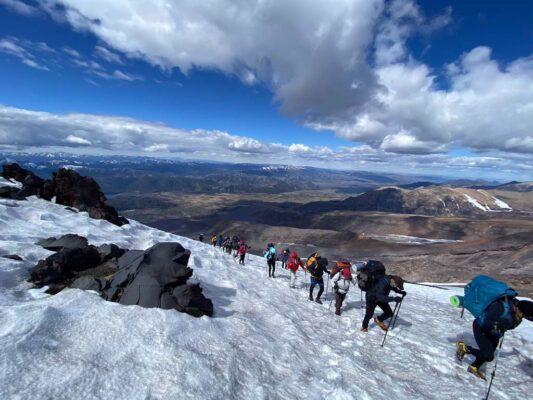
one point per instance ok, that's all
(265, 341)
(433, 200)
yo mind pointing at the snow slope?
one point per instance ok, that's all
(265, 342)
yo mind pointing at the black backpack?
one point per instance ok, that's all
(314, 268)
(370, 274)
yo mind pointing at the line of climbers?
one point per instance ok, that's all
(493, 303)
(371, 279)
(231, 245)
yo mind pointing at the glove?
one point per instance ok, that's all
(403, 293)
(397, 299)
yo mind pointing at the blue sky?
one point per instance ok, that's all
(429, 87)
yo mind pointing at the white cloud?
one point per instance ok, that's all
(71, 52)
(404, 142)
(15, 48)
(299, 148)
(20, 7)
(247, 145)
(77, 140)
(314, 56)
(107, 135)
(107, 55)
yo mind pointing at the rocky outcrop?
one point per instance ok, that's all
(67, 186)
(156, 277)
(63, 266)
(82, 192)
(69, 241)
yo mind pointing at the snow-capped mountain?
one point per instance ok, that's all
(266, 341)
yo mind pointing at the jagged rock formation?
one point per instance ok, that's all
(156, 277)
(67, 186)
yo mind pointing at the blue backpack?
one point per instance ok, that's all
(482, 291)
(271, 253)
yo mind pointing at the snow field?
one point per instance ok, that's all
(266, 341)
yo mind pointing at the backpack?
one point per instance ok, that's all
(341, 265)
(482, 291)
(271, 253)
(311, 260)
(370, 274)
(314, 269)
(347, 274)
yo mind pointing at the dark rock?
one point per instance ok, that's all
(9, 192)
(13, 257)
(83, 193)
(68, 241)
(157, 278)
(63, 265)
(87, 282)
(31, 184)
(67, 186)
(14, 171)
(108, 251)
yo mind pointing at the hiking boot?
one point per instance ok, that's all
(382, 325)
(364, 330)
(318, 301)
(475, 371)
(310, 298)
(461, 351)
(337, 312)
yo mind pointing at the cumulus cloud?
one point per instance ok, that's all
(345, 68)
(26, 130)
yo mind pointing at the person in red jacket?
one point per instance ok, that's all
(243, 248)
(294, 263)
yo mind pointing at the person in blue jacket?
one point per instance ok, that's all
(270, 255)
(500, 317)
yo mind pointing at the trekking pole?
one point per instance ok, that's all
(387, 331)
(327, 285)
(393, 323)
(494, 370)
(428, 285)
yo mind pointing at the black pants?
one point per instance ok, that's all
(371, 306)
(339, 298)
(241, 260)
(271, 267)
(487, 346)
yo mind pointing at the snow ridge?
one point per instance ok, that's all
(266, 341)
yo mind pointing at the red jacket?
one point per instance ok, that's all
(242, 249)
(295, 262)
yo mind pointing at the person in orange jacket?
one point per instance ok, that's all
(293, 264)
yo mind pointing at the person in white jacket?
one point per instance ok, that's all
(341, 285)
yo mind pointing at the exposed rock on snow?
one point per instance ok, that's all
(67, 187)
(156, 277)
(13, 257)
(68, 241)
(60, 268)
